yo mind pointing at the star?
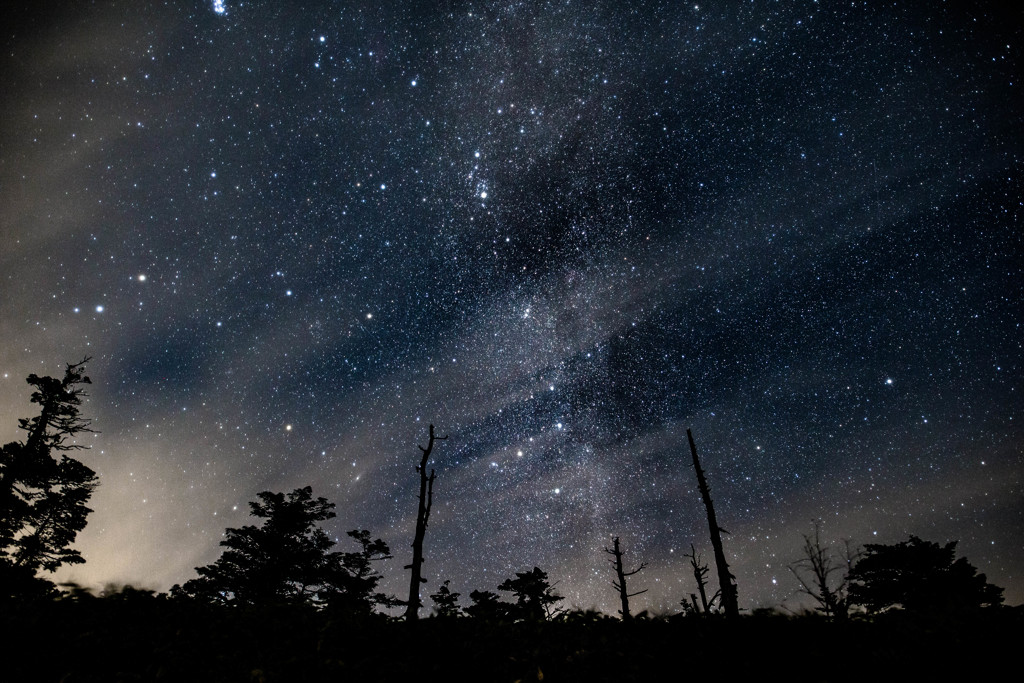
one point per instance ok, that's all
(548, 231)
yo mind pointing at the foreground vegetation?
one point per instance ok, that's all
(134, 635)
(283, 604)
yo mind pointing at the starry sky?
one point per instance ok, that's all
(561, 231)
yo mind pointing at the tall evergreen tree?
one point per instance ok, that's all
(44, 491)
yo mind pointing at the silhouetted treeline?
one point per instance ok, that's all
(283, 603)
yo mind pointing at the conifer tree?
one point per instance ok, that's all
(446, 602)
(486, 606)
(920, 576)
(350, 581)
(288, 559)
(281, 560)
(44, 491)
(535, 597)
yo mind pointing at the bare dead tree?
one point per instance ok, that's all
(816, 572)
(620, 584)
(726, 580)
(700, 572)
(426, 499)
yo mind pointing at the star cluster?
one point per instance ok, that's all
(562, 232)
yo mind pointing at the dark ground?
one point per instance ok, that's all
(145, 638)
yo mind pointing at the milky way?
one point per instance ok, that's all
(562, 232)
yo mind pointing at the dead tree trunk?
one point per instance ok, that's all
(700, 572)
(620, 584)
(725, 578)
(815, 571)
(412, 611)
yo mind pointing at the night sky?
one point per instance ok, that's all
(562, 232)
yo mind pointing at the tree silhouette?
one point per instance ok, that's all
(700, 573)
(426, 499)
(350, 579)
(42, 497)
(288, 559)
(620, 574)
(726, 581)
(446, 603)
(283, 560)
(486, 606)
(824, 577)
(919, 576)
(534, 595)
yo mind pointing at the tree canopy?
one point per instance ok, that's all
(487, 606)
(534, 595)
(351, 578)
(288, 559)
(446, 601)
(44, 491)
(919, 576)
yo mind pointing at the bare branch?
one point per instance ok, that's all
(815, 573)
(620, 584)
